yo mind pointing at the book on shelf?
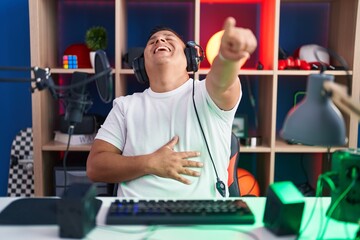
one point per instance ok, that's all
(76, 139)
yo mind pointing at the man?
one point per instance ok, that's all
(173, 140)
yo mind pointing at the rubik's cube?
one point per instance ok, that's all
(70, 61)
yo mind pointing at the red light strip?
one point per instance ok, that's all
(231, 1)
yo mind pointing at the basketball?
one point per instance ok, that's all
(247, 183)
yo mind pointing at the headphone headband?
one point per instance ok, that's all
(194, 55)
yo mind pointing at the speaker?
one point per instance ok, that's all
(193, 58)
(76, 211)
(283, 209)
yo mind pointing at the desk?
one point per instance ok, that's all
(335, 230)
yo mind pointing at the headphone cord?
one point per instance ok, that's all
(202, 131)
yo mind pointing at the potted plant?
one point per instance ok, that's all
(95, 39)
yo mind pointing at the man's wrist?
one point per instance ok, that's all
(222, 58)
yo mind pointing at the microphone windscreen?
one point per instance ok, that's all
(104, 82)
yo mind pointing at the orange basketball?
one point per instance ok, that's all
(247, 183)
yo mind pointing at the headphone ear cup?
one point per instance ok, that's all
(138, 66)
(192, 59)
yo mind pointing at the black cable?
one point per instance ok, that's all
(70, 133)
(303, 168)
(202, 131)
(339, 59)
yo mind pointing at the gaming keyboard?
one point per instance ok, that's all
(151, 212)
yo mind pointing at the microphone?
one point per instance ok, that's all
(77, 102)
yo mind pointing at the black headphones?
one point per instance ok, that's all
(193, 58)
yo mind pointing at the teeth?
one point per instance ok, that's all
(162, 48)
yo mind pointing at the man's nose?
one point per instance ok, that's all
(160, 39)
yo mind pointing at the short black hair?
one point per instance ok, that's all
(164, 28)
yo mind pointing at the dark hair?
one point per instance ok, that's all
(164, 28)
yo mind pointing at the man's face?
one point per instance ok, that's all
(164, 47)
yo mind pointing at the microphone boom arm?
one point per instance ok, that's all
(42, 78)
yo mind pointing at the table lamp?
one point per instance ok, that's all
(317, 121)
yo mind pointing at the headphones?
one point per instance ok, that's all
(193, 58)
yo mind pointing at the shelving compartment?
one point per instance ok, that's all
(258, 16)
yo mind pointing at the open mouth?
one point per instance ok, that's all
(161, 49)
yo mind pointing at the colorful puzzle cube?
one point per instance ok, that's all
(70, 61)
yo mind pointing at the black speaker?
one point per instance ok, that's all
(76, 211)
(193, 58)
(283, 209)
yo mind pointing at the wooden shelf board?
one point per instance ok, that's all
(283, 147)
(258, 149)
(243, 72)
(70, 71)
(57, 146)
(306, 72)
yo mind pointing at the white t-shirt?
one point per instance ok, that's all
(141, 123)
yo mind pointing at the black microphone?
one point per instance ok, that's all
(77, 101)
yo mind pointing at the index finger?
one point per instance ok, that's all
(229, 25)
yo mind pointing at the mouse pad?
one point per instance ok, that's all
(33, 211)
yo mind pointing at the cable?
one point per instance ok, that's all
(324, 178)
(70, 133)
(303, 168)
(116, 229)
(336, 204)
(250, 234)
(152, 229)
(319, 189)
(318, 194)
(339, 59)
(206, 143)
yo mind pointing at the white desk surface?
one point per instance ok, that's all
(335, 229)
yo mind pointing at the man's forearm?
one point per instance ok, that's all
(223, 83)
(113, 168)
